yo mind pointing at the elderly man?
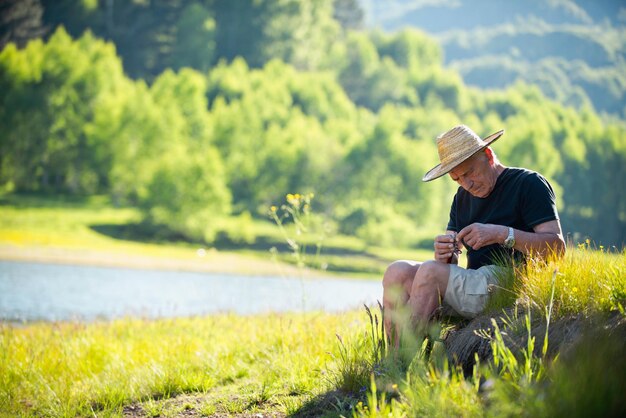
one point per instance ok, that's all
(498, 214)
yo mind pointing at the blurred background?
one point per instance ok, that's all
(183, 121)
(158, 156)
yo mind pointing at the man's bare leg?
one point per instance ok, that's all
(417, 286)
(397, 284)
(427, 291)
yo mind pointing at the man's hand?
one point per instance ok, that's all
(479, 235)
(445, 248)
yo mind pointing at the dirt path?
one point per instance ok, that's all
(203, 405)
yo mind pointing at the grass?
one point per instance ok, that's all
(219, 364)
(38, 222)
(314, 364)
(533, 369)
(587, 281)
(318, 364)
(83, 229)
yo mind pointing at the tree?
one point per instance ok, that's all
(362, 61)
(52, 92)
(278, 130)
(299, 33)
(409, 48)
(20, 21)
(187, 193)
(195, 44)
(349, 14)
(380, 182)
(149, 35)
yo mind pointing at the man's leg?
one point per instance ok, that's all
(397, 284)
(416, 286)
(428, 290)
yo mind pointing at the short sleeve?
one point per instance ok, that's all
(538, 201)
(452, 223)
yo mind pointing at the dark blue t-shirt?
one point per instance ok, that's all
(521, 199)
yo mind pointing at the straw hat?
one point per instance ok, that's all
(456, 146)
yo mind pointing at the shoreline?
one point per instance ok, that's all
(211, 261)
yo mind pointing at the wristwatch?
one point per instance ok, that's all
(509, 242)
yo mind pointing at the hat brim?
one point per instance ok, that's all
(442, 169)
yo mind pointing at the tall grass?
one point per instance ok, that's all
(281, 364)
(587, 286)
(232, 362)
(587, 281)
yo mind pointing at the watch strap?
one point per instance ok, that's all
(509, 242)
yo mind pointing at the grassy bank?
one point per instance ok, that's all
(225, 364)
(93, 231)
(329, 365)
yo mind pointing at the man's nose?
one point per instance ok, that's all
(466, 183)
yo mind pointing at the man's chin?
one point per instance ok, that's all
(480, 193)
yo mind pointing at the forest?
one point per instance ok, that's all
(197, 111)
(573, 50)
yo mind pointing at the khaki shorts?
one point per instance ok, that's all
(468, 290)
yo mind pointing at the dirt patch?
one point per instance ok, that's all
(205, 405)
(464, 342)
(180, 406)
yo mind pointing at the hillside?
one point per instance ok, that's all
(574, 50)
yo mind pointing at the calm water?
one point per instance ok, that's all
(34, 291)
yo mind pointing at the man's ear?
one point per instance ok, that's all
(489, 154)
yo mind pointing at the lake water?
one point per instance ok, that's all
(52, 292)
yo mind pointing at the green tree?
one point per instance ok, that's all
(349, 14)
(195, 39)
(370, 81)
(136, 134)
(275, 129)
(52, 92)
(362, 61)
(411, 49)
(381, 187)
(187, 193)
(299, 33)
(149, 35)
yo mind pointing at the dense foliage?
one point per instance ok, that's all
(310, 106)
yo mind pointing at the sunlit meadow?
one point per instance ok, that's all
(322, 363)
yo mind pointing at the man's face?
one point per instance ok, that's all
(476, 175)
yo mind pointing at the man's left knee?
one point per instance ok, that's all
(432, 274)
(434, 270)
(398, 273)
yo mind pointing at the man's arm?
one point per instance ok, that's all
(546, 238)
